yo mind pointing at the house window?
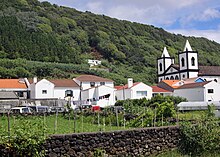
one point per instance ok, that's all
(92, 84)
(172, 78)
(68, 93)
(193, 61)
(183, 76)
(141, 93)
(44, 91)
(160, 65)
(183, 62)
(210, 90)
(176, 77)
(20, 94)
(167, 78)
(102, 83)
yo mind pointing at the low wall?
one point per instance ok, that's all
(136, 142)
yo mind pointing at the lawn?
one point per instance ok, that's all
(175, 153)
(63, 125)
(93, 123)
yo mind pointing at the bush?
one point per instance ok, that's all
(26, 138)
(200, 138)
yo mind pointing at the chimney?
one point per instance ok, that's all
(35, 79)
(130, 82)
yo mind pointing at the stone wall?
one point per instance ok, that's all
(136, 142)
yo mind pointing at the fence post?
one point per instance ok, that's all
(116, 110)
(74, 125)
(9, 134)
(55, 124)
(82, 122)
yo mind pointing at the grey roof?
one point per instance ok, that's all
(8, 95)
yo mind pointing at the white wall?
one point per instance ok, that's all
(171, 70)
(193, 74)
(132, 92)
(183, 75)
(59, 92)
(215, 96)
(191, 94)
(141, 87)
(86, 85)
(40, 86)
(190, 55)
(168, 62)
(183, 55)
(97, 92)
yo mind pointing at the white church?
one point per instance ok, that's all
(188, 66)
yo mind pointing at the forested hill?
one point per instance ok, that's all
(35, 31)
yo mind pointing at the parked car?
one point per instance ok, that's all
(85, 107)
(96, 108)
(20, 110)
(40, 109)
(58, 109)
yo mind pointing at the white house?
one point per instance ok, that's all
(43, 89)
(199, 91)
(62, 86)
(54, 89)
(96, 90)
(102, 96)
(94, 62)
(132, 90)
(90, 81)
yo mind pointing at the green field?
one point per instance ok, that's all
(62, 125)
(175, 153)
(93, 123)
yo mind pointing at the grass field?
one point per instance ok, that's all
(61, 125)
(175, 153)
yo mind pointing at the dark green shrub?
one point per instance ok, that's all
(26, 138)
(200, 138)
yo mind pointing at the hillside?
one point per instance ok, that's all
(44, 35)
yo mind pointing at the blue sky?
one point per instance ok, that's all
(187, 17)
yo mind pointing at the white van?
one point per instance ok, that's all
(21, 110)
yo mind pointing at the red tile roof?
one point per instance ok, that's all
(59, 82)
(64, 83)
(157, 89)
(126, 86)
(12, 83)
(209, 71)
(171, 83)
(193, 85)
(92, 78)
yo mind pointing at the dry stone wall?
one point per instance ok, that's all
(136, 142)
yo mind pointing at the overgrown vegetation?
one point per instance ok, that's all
(143, 112)
(202, 137)
(40, 31)
(25, 138)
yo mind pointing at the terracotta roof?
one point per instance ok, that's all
(171, 83)
(209, 70)
(64, 83)
(12, 83)
(194, 85)
(126, 86)
(92, 78)
(157, 89)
